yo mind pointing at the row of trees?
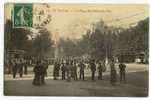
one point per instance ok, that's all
(108, 41)
(22, 39)
(135, 38)
(102, 41)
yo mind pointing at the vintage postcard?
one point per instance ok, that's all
(98, 50)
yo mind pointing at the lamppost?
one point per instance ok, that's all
(56, 41)
(106, 44)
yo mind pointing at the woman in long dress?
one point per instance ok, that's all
(113, 74)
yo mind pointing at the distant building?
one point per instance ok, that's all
(127, 56)
(141, 57)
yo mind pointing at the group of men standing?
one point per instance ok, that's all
(17, 65)
(113, 73)
(69, 70)
(40, 71)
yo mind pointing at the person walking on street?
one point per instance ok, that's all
(63, 70)
(37, 72)
(14, 67)
(43, 69)
(82, 67)
(46, 64)
(20, 66)
(100, 70)
(74, 70)
(56, 70)
(68, 70)
(122, 68)
(93, 69)
(113, 74)
(25, 67)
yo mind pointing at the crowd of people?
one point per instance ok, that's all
(40, 71)
(15, 65)
(70, 69)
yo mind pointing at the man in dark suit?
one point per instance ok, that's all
(122, 68)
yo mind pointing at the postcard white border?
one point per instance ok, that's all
(2, 97)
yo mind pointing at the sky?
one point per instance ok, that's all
(73, 20)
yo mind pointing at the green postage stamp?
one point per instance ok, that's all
(22, 15)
